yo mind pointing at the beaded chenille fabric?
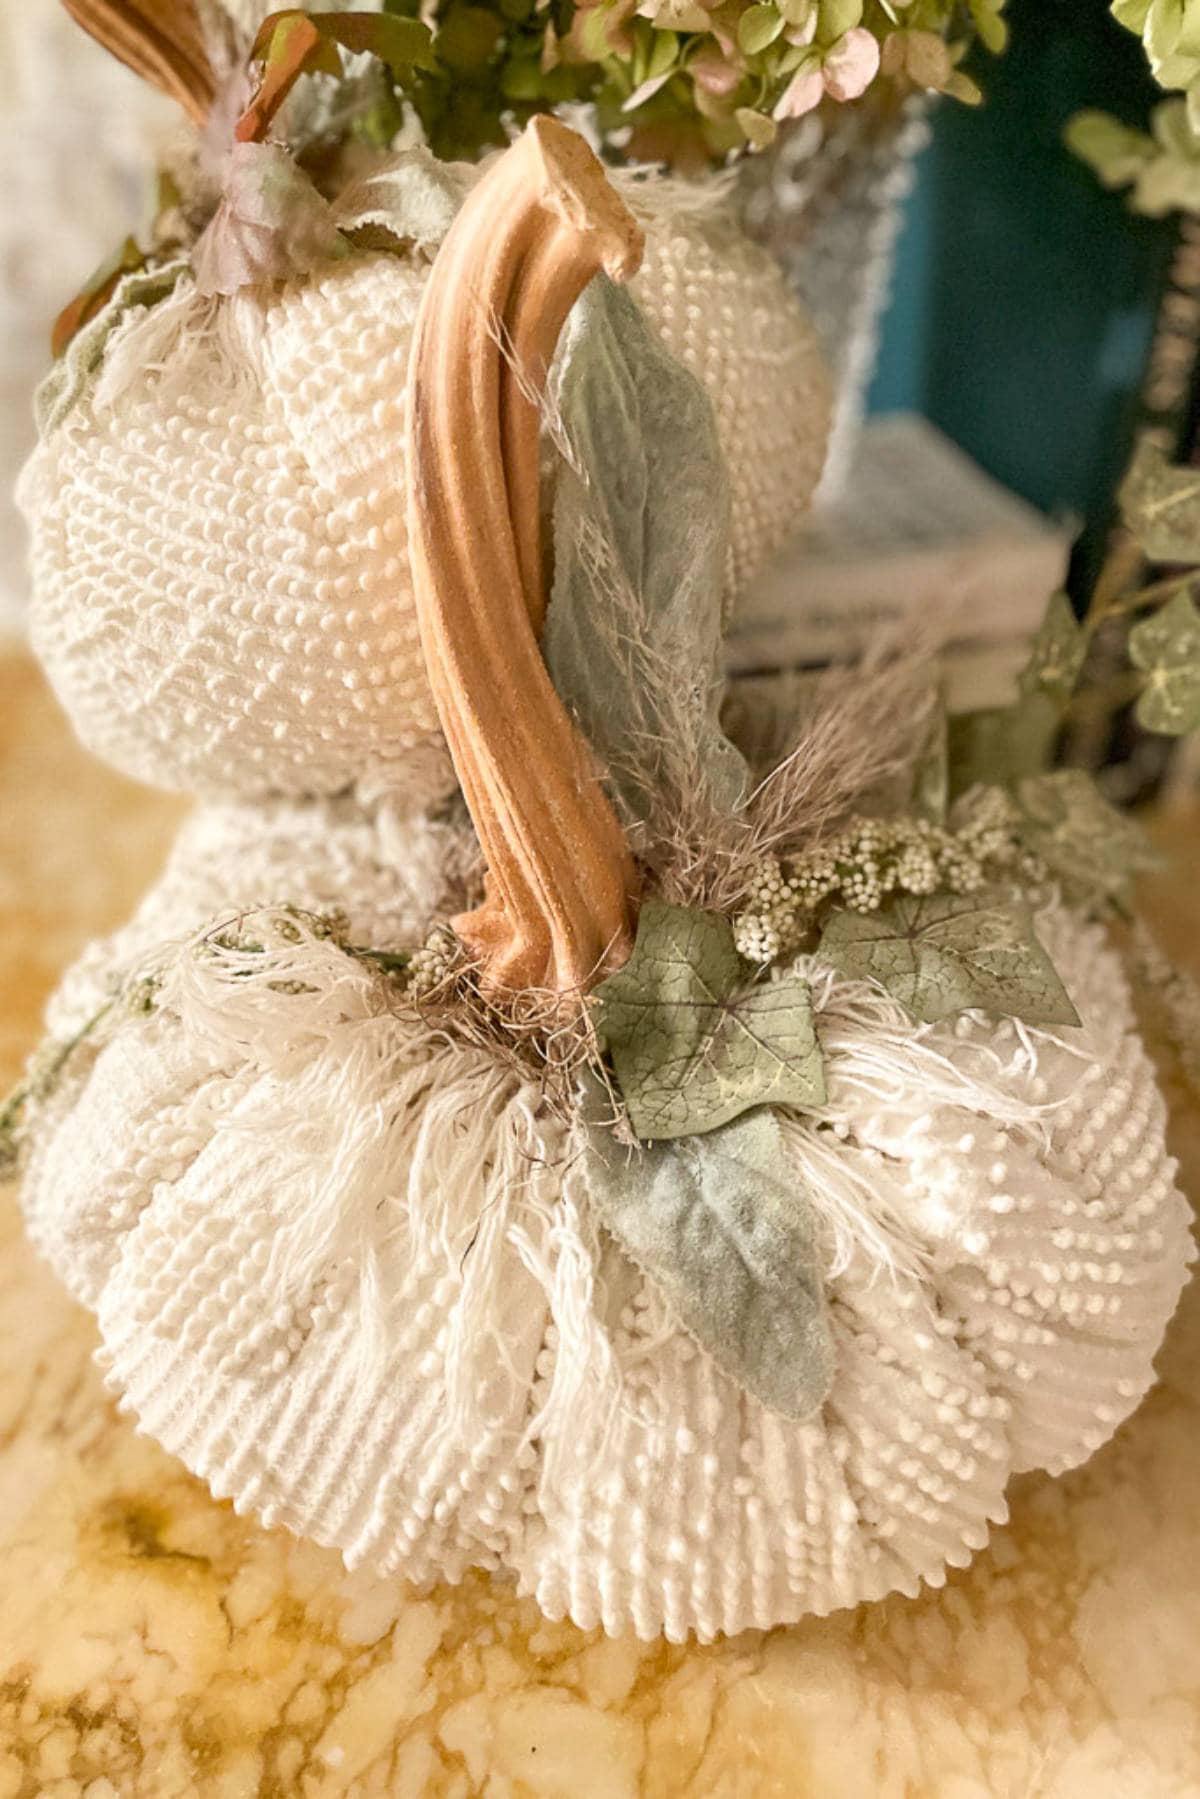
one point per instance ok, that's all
(432, 1359)
(221, 595)
(333, 1196)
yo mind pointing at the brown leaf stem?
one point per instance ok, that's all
(160, 40)
(561, 885)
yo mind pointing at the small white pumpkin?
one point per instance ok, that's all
(221, 591)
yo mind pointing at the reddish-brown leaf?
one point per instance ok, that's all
(95, 295)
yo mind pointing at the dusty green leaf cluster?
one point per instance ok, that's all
(948, 953)
(694, 1040)
(681, 79)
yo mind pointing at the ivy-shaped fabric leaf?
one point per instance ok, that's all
(693, 1044)
(724, 1227)
(1056, 655)
(1167, 647)
(949, 952)
(641, 515)
(1161, 506)
(1088, 844)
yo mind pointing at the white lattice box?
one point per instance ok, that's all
(920, 526)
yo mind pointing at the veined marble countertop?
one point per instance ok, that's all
(154, 1646)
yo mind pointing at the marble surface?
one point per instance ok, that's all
(154, 1646)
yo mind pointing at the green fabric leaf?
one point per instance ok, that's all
(1000, 744)
(633, 630)
(1112, 150)
(292, 43)
(400, 43)
(407, 201)
(1088, 844)
(948, 953)
(1056, 655)
(693, 1045)
(1161, 506)
(724, 1227)
(1167, 647)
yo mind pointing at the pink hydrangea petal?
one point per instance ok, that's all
(852, 64)
(646, 91)
(802, 93)
(715, 74)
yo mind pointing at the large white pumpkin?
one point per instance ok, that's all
(346, 1269)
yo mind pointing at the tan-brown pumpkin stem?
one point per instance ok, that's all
(161, 40)
(561, 885)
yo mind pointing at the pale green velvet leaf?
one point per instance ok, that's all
(633, 631)
(722, 1224)
(409, 200)
(945, 953)
(694, 1044)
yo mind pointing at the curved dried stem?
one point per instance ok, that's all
(160, 40)
(532, 234)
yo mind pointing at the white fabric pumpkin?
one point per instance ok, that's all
(221, 588)
(345, 1268)
(64, 211)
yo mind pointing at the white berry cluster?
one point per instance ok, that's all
(433, 964)
(869, 860)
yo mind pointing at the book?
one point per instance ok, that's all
(920, 525)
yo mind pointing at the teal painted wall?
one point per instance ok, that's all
(1024, 293)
